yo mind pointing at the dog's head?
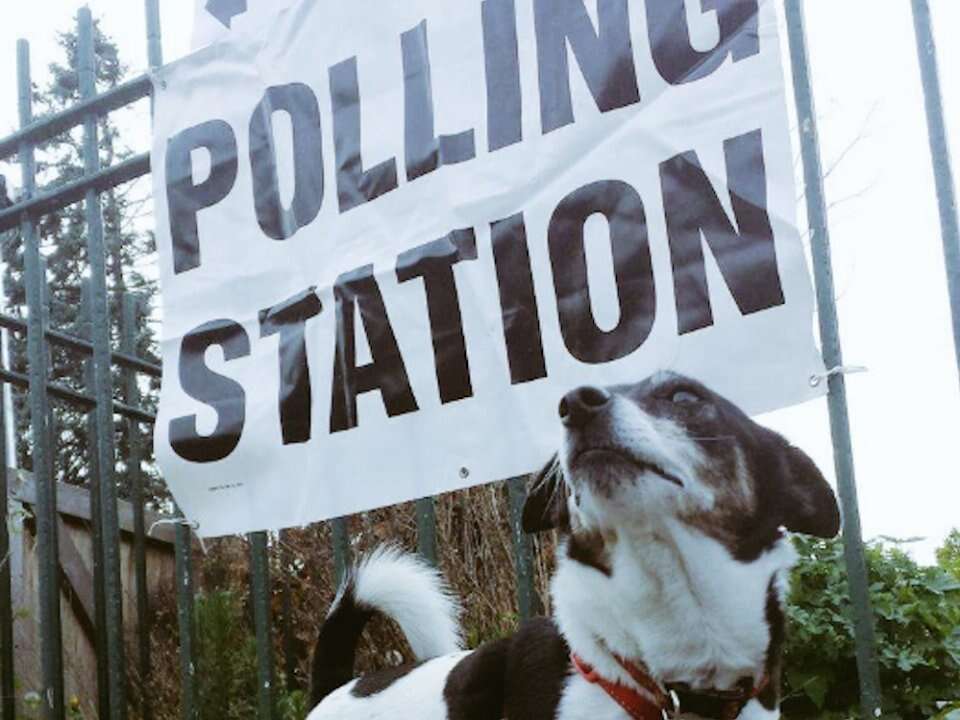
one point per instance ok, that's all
(668, 447)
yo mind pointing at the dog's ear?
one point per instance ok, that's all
(810, 506)
(546, 504)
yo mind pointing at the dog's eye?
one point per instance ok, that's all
(684, 397)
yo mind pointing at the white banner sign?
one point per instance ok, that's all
(394, 234)
(217, 20)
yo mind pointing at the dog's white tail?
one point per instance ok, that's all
(404, 588)
(413, 593)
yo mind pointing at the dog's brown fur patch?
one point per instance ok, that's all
(590, 548)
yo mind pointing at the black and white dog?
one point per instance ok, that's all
(673, 506)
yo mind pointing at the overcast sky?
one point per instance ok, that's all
(887, 249)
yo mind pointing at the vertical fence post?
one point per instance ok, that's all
(154, 40)
(48, 360)
(528, 601)
(130, 317)
(426, 512)
(48, 576)
(286, 608)
(867, 667)
(940, 152)
(260, 563)
(341, 548)
(6, 390)
(182, 543)
(7, 688)
(99, 597)
(103, 378)
(185, 621)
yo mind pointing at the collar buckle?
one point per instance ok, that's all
(668, 713)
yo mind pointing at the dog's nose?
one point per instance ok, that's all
(579, 406)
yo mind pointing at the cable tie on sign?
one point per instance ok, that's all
(156, 78)
(818, 378)
(192, 524)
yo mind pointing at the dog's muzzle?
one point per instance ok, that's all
(586, 414)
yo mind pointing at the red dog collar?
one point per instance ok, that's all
(651, 706)
(656, 703)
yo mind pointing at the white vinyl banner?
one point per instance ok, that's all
(218, 20)
(394, 234)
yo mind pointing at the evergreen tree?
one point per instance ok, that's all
(63, 245)
(5, 200)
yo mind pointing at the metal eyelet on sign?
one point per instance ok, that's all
(818, 378)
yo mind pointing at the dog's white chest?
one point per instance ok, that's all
(700, 621)
(583, 701)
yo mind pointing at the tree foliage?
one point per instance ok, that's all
(917, 611)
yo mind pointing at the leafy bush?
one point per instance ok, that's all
(226, 658)
(917, 612)
(948, 556)
(226, 655)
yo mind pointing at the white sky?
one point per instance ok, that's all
(887, 249)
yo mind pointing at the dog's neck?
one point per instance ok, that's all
(674, 600)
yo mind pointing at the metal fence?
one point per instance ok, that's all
(98, 398)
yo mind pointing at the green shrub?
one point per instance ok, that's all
(226, 658)
(226, 663)
(917, 612)
(292, 705)
(948, 556)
